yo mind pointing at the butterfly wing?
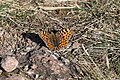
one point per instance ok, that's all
(63, 37)
(46, 38)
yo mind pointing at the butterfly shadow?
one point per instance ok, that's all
(34, 38)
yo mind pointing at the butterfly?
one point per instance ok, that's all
(56, 40)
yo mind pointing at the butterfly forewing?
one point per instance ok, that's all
(46, 38)
(64, 36)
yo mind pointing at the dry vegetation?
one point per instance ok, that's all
(94, 49)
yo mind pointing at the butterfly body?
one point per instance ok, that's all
(56, 40)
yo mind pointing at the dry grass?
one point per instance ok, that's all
(96, 25)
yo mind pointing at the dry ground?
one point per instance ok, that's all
(93, 52)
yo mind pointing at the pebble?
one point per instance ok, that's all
(9, 63)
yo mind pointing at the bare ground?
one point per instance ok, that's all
(93, 52)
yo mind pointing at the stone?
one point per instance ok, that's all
(9, 63)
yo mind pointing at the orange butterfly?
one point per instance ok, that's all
(56, 40)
